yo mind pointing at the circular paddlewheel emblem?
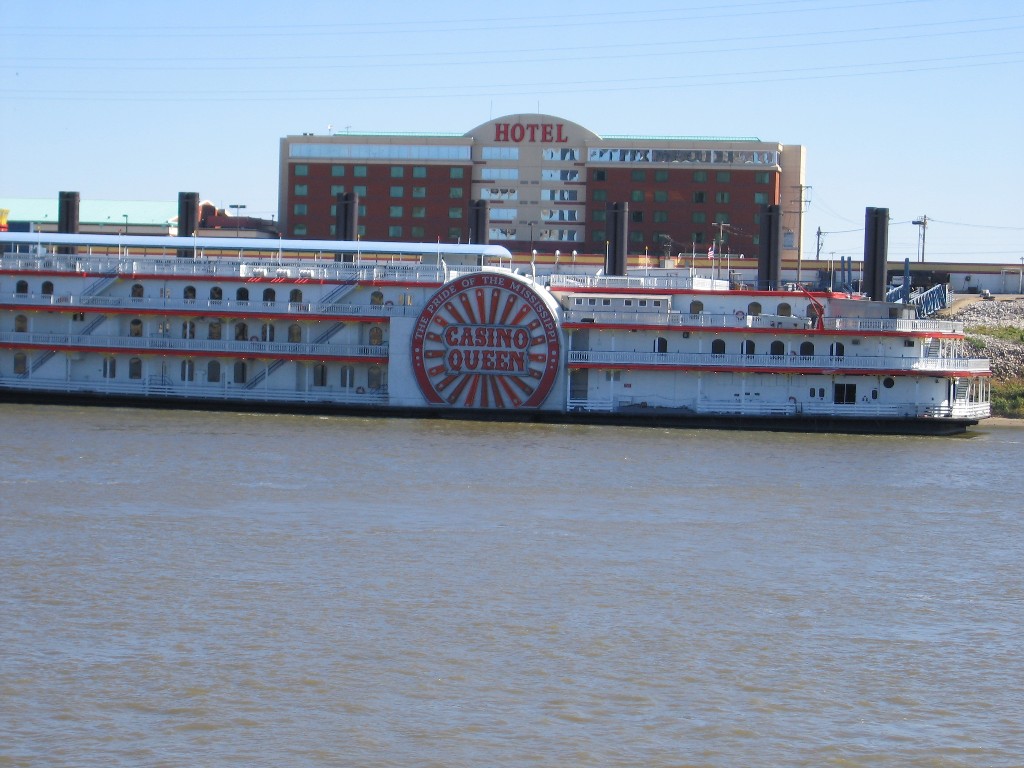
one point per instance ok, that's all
(486, 341)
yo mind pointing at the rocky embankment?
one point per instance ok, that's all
(1007, 357)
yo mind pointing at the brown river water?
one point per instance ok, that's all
(191, 589)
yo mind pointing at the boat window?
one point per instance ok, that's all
(754, 308)
(376, 336)
(242, 294)
(188, 330)
(109, 367)
(213, 371)
(20, 324)
(376, 298)
(20, 363)
(21, 287)
(241, 331)
(778, 348)
(138, 291)
(188, 370)
(216, 293)
(718, 347)
(240, 372)
(348, 377)
(295, 296)
(807, 349)
(47, 289)
(189, 292)
(269, 294)
(135, 327)
(845, 394)
(214, 331)
(294, 333)
(837, 349)
(135, 368)
(374, 377)
(696, 307)
(606, 302)
(748, 347)
(267, 332)
(784, 309)
(888, 382)
(612, 375)
(661, 345)
(319, 375)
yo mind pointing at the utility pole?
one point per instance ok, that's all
(802, 202)
(921, 234)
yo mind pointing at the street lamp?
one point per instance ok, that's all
(238, 207)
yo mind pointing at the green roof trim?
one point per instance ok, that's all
(401, 134)
(681, 138)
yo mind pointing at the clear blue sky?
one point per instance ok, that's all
(911, 105)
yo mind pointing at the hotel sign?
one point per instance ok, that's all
(530, 133)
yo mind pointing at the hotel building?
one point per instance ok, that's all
(547, 184)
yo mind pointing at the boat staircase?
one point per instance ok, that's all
(934, 349)
(323, 338)
(927, 302)
(100, 285)
(41, 360)
(342, 290)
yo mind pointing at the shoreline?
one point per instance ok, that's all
(1000, 421)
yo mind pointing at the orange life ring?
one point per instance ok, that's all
(740, 314)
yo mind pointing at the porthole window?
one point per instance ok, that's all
(888, 382)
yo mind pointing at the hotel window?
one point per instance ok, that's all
(723, 177)
(660, 196)
(777, 348)
(661, 175)
(721, 218)
(394, 231)
(319, 375)
(417, 233)
(135, 368)
(636, 237)
(599, 215)
(637, 217)
(454, 233)
(302, 170)
(419, 172)
(637, 195)
(660, 217)
(699, 197)
(499, 153)
(419, 212)
(700, 176)
(337, 170)
(599, 176)
(455, 213)
(397, 171)
(455, 173)
(754, 308)
(299, 230)
(761, 177)
(213, 371)
(359, 171)
(20, 363)
(361, 191)
(299, 209)
(638, 175)
(600, 196)
(455, 193)
(240, 372)
(397, 192)
(420, 192)
(109, 368)
(396, 211)
(697, 238)
(301, 189)
(699, 217)
(336, 189)
(721, 197)
(598, 236)
(761, 198)
(188, 370)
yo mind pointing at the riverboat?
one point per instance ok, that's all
(463, 331)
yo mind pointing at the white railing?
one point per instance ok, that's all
(186, 346)
(779, 362)
(151, 305)
(568, 282)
